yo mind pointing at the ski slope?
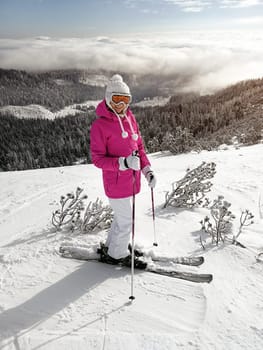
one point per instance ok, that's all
(47, 302)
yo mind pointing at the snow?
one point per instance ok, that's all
(155, 101)
(94, 80)
(49, 302)
(39, 112)
(29, 111)
(35, 111)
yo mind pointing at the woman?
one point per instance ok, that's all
(117, 148)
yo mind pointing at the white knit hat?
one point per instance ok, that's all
(116, 86)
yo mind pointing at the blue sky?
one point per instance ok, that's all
(85, 18)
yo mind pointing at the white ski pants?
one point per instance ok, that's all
(120, 230)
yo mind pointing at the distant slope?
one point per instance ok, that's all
(198, 122)
(57, 89)
(53, 90)
(39, 112)
(43, 143)
(186, 122)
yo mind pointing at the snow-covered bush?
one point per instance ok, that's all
(219, 226)
(246, 219)
(96, 215)
(70, 211)
(191, 190)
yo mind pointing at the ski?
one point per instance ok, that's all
(189, 276)
(87, 252)
(74, 252)
(182, 260)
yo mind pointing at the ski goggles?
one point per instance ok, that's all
(118, 99)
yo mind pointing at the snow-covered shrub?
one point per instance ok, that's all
(245, 219)
(220, 226)
(96, 215)
(191, 190)
(71, 207)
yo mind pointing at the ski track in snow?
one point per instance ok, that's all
(92, 302)
(47, 302)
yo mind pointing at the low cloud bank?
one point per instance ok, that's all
(201, 61)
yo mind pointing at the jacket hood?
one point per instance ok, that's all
(104, 111)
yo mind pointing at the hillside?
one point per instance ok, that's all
(53, 90)
(57, 89)
(36, 143)
(186, 122)
(196, 122)
(51, 303)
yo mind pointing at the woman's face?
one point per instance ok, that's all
(119, 108)
(119, 103)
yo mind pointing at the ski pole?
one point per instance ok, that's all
(153, 213)
(132, 297)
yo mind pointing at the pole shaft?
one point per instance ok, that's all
(133, 234)
(153, 214)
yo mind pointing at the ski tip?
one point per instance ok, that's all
(155, 244)
(210, 279)
(132, 297)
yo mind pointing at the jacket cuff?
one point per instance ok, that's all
(122, 164)
(146, 169)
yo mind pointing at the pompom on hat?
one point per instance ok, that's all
(116, 86)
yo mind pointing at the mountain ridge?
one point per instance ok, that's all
(187, 122)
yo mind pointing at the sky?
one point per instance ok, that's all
(212, 43)
(85, 18)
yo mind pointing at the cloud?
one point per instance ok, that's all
(201, 61)
(200, 5)
(191, 5)
(185, 5)
(240, 3)
(249, 20)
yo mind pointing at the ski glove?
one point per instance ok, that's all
(150, 177)
(130, 162)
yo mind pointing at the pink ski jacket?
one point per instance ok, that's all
(107, 145)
